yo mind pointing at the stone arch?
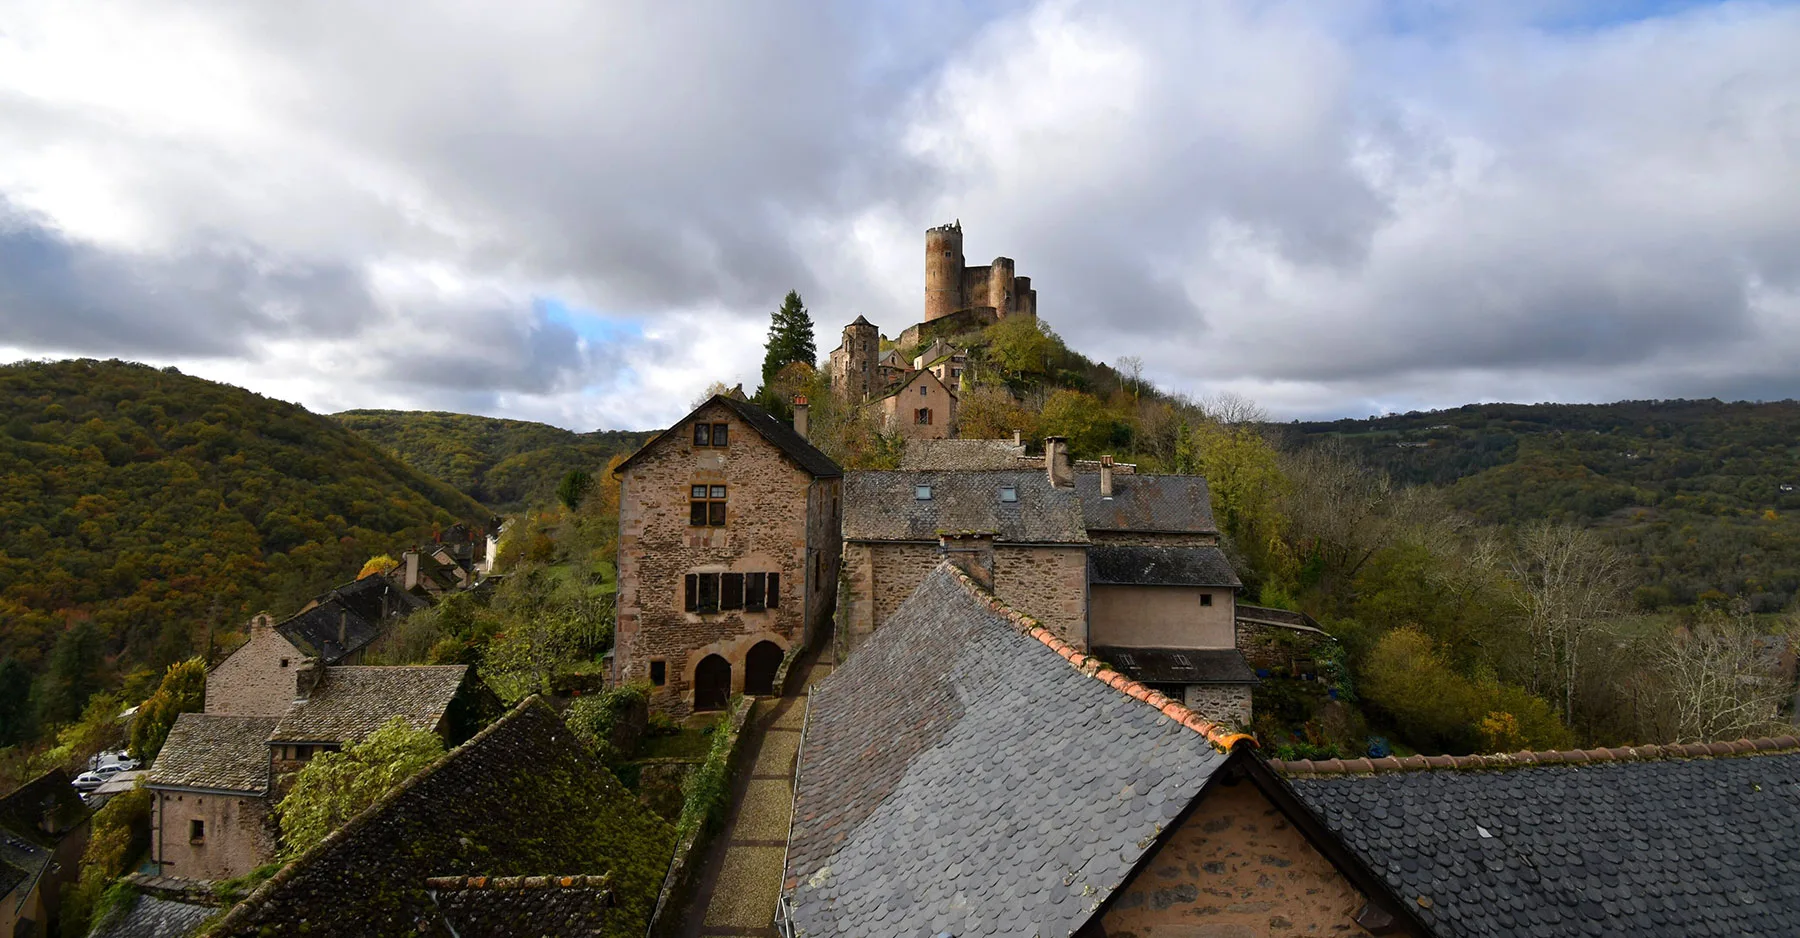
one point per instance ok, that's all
(712, 683)
(760, 664)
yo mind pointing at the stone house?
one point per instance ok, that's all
(1021, 527)
(43, 831)
(966, 772)
(219, 775)
(257, 678)
(921, 407)
(338, 625)
(944, 360)
(729, 528)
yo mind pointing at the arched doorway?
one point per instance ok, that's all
(760, 666)
(712, 683)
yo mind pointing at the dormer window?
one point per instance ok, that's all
(922, 492)
(1009, 493)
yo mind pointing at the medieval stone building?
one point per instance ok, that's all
(985, 294)
(729, 527)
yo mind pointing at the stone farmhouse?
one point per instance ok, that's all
(966, 771)
(43, 831)
(729, 526)
(220, 773)
(1118, 564)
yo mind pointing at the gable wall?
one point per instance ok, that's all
(767, 530)
(899, 412)
(251, 681)
(1046, 583)
(1163, 617)
(239, 834)
(1236, 868)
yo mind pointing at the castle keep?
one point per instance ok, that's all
(990, 291)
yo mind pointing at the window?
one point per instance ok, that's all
(196, 831)
(923, 390)
(754, 586)
(923, 417)
(731, 591)
(1009, 493)
(719, 592)
(922, 492)
(659, 672)
(284, 662)
(1205, 599)
(711, 434)
(706, 506)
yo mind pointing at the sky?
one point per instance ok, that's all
(583, 213)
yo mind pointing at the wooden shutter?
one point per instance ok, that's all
(773, 599)
(693, 593)
(732, 596)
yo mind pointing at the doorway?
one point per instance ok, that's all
(760, 666)
(712, 683)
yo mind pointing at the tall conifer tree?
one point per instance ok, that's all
(790, 340)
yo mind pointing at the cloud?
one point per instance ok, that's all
(1328, 207)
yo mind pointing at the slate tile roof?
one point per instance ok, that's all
(154, 917)
(967, 772)
(776, 431)
(1138, 565)
(349, 703)
(961, 454)
(505, 906)
(520, 797)
(1143, 502)
(357, 608)
(43, 809)
(20, 861)
(215, 751)
(1637, 842)
(883, 506)
(1180, 665)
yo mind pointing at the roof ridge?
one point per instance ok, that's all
(577, 881)
(1222, 738)
(1308, 768)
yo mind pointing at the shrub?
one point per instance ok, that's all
(120, 831)
(336, 786)
(708, 789)
(183, 690)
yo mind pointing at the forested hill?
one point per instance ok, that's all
(505, 464)
(1694, 489)
(154, 505)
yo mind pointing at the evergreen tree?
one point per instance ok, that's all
(73, 675)
(15, 702)
(790, 340)
(574, 486)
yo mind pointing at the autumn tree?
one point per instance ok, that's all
(183, 690)
(1079, 418)
(380, 563)
(990, 412)
(336, 786)
(1718, 680)
(1244, 474)
(1570, 584)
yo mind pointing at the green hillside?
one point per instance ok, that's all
(1692, 490)
(505, 464)
(155, 506)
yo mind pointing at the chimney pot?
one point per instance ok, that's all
(800, 421)
(972, 552)
(1106, 482)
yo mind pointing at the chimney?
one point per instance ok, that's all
(800, 415)
(972, 552)
(343, 628)
(409, 570)
(307, 677)
(1018, 438)
(1056, 462)
(1106, 477)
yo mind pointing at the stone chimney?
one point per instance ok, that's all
(409, 570)
(1018, 438)
(343, 628)
(972, 552)
(1106, 476)
(307, 677)
(800, 415)
(1056, 462)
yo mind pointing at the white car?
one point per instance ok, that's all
(88, 781)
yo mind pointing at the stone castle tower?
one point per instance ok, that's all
(853, 363)
(952, 287)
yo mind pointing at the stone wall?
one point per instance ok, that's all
(1162, 616)
(1228, 704)
(258, 678)
(881, 576)
(1047, 583)
(766, 531)
(239, 834)
(1236, 868)
(1271, 646)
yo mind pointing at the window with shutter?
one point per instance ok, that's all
(709, 592)
(693, 593)
(733, 591)
(773, 597)
(754, 584)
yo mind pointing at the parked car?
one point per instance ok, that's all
(120, 758)
(88, 781)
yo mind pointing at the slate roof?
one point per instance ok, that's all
(48, 797)
(1637, 845)
(20, 862)
(910, 378)
(882, 506)
(776, 431)
(153, 917)
(1180, 665)
(1136, 565)
(961, 454)
(520, 797)
(966, 772)
(349, 703)
(355, 610)
(1144, 502)
(505, 906)
(215, 751)
(1284, 618)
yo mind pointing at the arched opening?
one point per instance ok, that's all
(712, 683)
(760, 666)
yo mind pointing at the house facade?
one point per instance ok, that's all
(921, 406)
(729, 527)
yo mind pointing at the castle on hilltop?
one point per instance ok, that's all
(984, 294)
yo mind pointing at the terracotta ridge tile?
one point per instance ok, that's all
(1222, 738)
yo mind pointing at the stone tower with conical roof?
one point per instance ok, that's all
(854, 374)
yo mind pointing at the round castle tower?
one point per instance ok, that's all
(943, 271)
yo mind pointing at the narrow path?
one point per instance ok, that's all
(741, 878)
